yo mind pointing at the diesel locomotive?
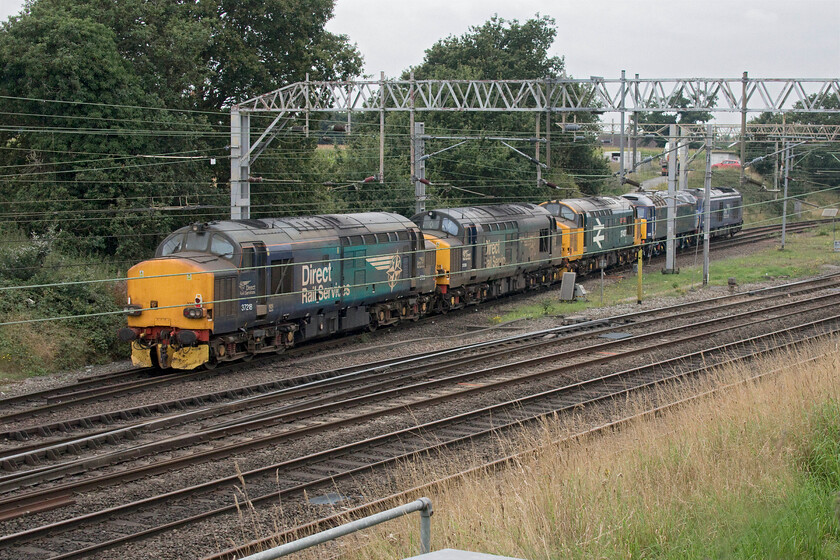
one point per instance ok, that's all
(228, 290)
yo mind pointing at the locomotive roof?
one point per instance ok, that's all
(296, 228)
(489, 214)
(717, 193)
(596, 204)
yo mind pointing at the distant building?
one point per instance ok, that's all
(614, 156)
(718, 156)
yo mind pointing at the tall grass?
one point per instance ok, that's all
(751, 472)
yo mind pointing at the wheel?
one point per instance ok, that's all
(210, 364)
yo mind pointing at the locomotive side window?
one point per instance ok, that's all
(450, 227)
(247, 258)
(282, 274)
(221, 247)
(545, 241)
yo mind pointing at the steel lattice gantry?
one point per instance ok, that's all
(625, 95)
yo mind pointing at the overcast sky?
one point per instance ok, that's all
(652, 38)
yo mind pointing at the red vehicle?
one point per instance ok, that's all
(728, 164)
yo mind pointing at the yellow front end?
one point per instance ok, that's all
(442, 259)
(159, 290)
(572, 241)
(641, 231)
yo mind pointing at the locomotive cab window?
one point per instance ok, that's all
(568, 214)
(180, 242)
(172, 245)
(195, 242)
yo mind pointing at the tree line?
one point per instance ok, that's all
(117, 130)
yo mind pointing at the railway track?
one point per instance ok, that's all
(359, 378)
(136, 380)
(370, 453)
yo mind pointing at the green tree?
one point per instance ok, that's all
(71, 168)
(480, 171)
(816, 165)
(88, 171)
(500, 50)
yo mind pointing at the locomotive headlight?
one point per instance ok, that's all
(193, 313)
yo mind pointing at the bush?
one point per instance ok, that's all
(62, 326)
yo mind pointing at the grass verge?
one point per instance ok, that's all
(804, 255)
(752, 472)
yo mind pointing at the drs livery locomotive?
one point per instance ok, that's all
(226, 290)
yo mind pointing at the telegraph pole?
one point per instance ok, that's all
(537, 150)
(683, 160)
(788, 156)
(420, 168)
(707, 196)
(621, 137)
(670, 242)
(744, 81)
(381, 127)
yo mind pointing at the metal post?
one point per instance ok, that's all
(602, 280)
(240, 168)
(420, 166)
(548, 139)
(426, 525)
(639, 276)
(245, 165)
(635, 126)
(785, 194)
(707, 195)
(235, 154)
(670, 242)
(621, 137)
(744, 80)
(382, 127)
(682, 161)
(423, 505)
(306, 112)
(537, 151)
(413, 163)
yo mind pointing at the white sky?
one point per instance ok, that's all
(652, 38)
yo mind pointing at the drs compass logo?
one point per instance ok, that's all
(390, 264)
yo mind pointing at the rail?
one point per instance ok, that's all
(423, 505)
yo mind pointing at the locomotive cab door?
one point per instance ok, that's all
(252, 302)
(471, 250)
